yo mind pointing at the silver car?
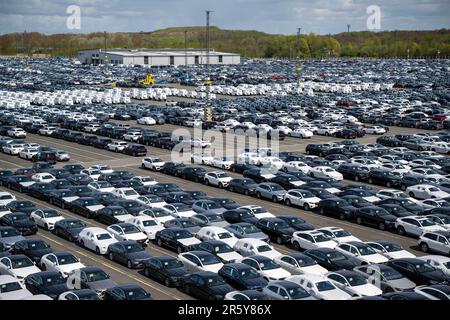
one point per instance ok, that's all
(201, 206)
(247, 230)
(286, 290)
(269, 190)
(387, 278)
(62, 155)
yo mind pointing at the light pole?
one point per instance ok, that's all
(408, 53)
(208, 108)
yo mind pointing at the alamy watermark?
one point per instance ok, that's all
(374, 20)
(73, 21)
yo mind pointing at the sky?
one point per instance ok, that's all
(271, 16)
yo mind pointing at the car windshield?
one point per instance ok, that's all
(392, 247)
(25, 204)
(335, 256)
(222, 248)
(426, 222)
(446, 265)
(133, 247)
(320, 238)
(136, 294)
(268, 265)
(67, 259)
(305, 261)
(18, 217)
(297, 293)
(75, 224)
(156, 213)
(381, 212)
(10, 287)
(149, 223)
(424, 267)
(214, 281)
(249, 273)
(248, 229)
(356, 280)
(264, 248)
(209, 259)
(128, 229)
(324, 286)
(172, 264)
(259, 210)
(103, 236)
(213, 205)
(341, 233)
(97, 275)
(366, 250)
(222, 175)
(391, 274)
(118, 212)
(130, 192)
(215, 218)
(51, 214)
(38, 245)
(90, 202)
(53, 280)
(434, 189)
(275, 187)
(182, 207)
(21, 262)
(183, 234)
(187, 224)
(224, 235)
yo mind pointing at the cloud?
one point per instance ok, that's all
(272, 16)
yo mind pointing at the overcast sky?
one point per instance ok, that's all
(272, 16)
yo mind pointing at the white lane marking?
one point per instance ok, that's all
(131, 276)
(11, 163)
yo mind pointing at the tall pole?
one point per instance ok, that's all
(185, 49)
(208, 109)
(105, 61)
(299, 32)
(348, 28)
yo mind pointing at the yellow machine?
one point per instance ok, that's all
(149, 80)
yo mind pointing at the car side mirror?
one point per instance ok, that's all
(286, 297)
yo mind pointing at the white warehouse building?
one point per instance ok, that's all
(156, 57)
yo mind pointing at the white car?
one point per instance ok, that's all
(437, 241)
(147, 225)
(266, 267)
(249, 247)
(285, 130)
(201, 158)
(353, 283)
(311, 239)
(62, 262)
(301, 198)
(12, 289)
(5, 198)
(222, 163)
(257, 211)
(126, 193)
(18, 266)
(102, 168)
(325, 172)
(362, 252)
(132, 136)
(197, 261)
(301, 133)
(152, 201)
(159, 214)
(28, 153)
(43, 177)
(96, 239)
(424, 191)
(47, 131)
(149, 121)
(390, 250)
(101, 186)
(154, 164)
(179, 210)
(46, 218)
(416, 225)
(319, 287)
(298, 263)
(216, 233)
(441, 147)
(117, 146)
(391, 193)
(92, 173)
(217, 179)
(13, 148)
(127, 232)
(439, 262)
(145, 180)
(199, 143)
(92, 128)
(338, 234)
(17, 133)
(375, 130)
(296, 166)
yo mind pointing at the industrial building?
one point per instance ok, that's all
(157, 57)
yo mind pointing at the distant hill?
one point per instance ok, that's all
(248, 43)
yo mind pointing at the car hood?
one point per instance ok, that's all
(193, 230)
(229, 256)
(38, 253)
(400, 254)
(315, 269)
(95, 208)
(56, 289)
(11, 240)
(367, 290)
(345, 264)
(189, 241)
(16, 295)
(221, 290)
(23, 272)
(402, 284)
(276, 273)
(256, 283)
(23, 224)
(334, 295)
(139, 256)
(102, 284)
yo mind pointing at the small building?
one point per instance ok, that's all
(156, 57)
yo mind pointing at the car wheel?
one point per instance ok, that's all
(220, 185)
(404, 187)
(370, 181)
(179, 250)
(306, 207)
(321, 211)
(401, 231)
(70, 238)
(424, 247)
(146, 273)
(129, 264)
(167, 282)
(97, 250)
(207, 182)
(296, 246)
(381, 226)
(411, 194)
(111, 256)
(341, 216)
(359, 220)
(274, 199)
(46, 227)
(82, 243)
(187, 289)
(388, 184)
(246, 192)
(258, 195)
(279, 241)
(288, 202)
(356, 178)
(231, 188)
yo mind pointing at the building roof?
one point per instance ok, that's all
(159, 52)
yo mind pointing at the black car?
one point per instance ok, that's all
(129, 253)
(32, 248)
(42, 166)
(277, 229)
(132, 207)
(357, 202)
(336, 207)
(41, 191)
(171, 168)
(108, 215)
(190, 173)
(346, 134)
(61, 198)
(135, 150)
(74, 168)
(353, 172)
(332, 259)
(20, 221)
(126, 292)
(45, 156)
(242, 276)
(409, 180)
(101, 143)
(245, 186)
(69, 229)
(104, 198)
(82, 207)
(404, 296)
(396, 210)
(173, 239)
(419, 271)
(384, 178)
(80, 179)
(226, 203)
(50, 283)
(258, 175)
(287, 181)
(375, 216)
(21, 206)
(404, 203)
(180, 197)
(317, 149)
(206, 286)
(241, 167)
(297, 223)
(239, 215)
(4, 174)
(166, 269)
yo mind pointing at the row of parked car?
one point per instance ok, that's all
(214, 239)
